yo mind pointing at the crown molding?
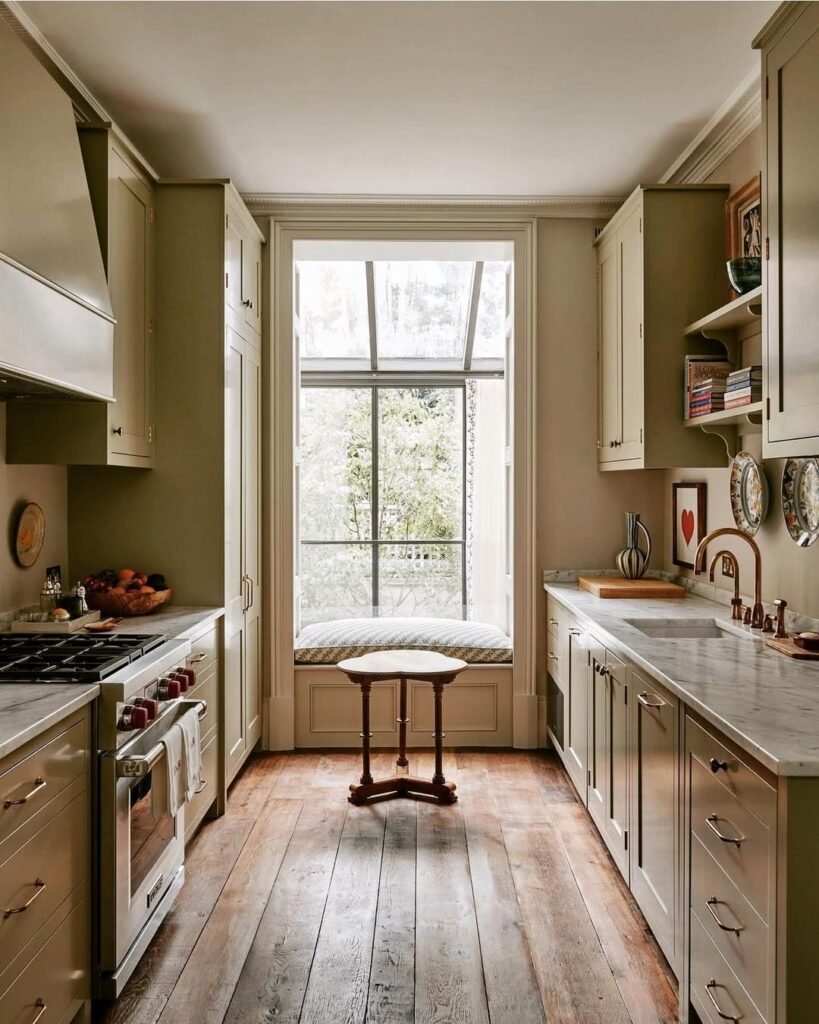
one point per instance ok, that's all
(87, 108)
(272, 204)
(738, 116)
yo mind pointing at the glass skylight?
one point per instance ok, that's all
(333, 312)
(490, 325)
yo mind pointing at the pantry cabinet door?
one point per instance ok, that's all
(236, 590)
(252, 542)
(130, 281)
(577, 716)
(598, 753)
(654, 832)
(792, 225)
(234, 264)
(252, 285)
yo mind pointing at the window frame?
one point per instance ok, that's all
(310, 380)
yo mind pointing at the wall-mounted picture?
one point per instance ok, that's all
(743, 221)
(688, 526)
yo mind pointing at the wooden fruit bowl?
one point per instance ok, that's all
(129, 603)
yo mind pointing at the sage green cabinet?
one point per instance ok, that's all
(119, 433)
(660, 266)
(790, 72)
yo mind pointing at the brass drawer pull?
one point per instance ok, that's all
(203, 785)
(42, 1007)
(198, 657)
(576, 632)
(711, 820)
(712, 984)
(39, 784)
(712, 902)
(554, 657)
(553, 622)
(656, 703)
(40, 888)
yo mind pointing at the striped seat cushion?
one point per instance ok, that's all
(327, 643)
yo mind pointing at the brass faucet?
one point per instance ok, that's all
(736, 600)
(758, 612)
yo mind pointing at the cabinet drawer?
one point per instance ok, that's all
(207, 689)
(197, 808)
(38, 778)
(715, 992)
(36, 879)
(57, 978)
(737, 777)
(556, 617)
(745, 850)
(204, 651)
(747, 953)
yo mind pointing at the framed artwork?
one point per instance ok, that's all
(743, 221)
(688, 521)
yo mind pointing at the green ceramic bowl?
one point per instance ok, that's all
(745, 274)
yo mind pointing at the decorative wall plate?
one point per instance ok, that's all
(800, 500)
(749, 493)
(28, 540)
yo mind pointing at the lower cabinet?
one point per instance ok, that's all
(210, 800)
(655, 789)
(45, 875)
(578, 662)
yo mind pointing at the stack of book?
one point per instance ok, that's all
(708, 396)
(705, 378)
(743, 387)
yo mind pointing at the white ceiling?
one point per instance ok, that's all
(582, 99)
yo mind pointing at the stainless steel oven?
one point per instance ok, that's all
(141, 856)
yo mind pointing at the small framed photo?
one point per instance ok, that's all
(743, 221)
(688, 526)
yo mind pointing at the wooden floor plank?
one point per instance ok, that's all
(391, 997)
(339, 979)
(274, 978)
(209, 862)
(204, 989)
(638, 965)
(511, 986)
(449, 983)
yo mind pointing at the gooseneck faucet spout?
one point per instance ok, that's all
(758, 612)
(736, 600)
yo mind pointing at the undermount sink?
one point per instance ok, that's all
(689, 629)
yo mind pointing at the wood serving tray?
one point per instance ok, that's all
(67, 626)
(789, 648)
(617, 586)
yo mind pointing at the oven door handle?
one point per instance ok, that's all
(137, 766)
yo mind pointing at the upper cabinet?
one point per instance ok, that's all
(660, 265)
(119, 433)
(790, 72)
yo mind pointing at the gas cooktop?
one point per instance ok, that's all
(71, 658)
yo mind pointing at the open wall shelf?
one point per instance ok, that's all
(732, 418)
(743, 310)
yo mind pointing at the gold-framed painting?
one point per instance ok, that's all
(743, 221)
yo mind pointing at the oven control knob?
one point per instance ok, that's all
(132, 718)
(190, 675)
(168, 689)
(150, 706)
(182, 679)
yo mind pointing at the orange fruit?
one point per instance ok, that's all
(125, 575)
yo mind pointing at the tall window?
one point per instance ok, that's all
(392, 354)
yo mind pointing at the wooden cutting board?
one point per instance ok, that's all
(789, 647)
(616, 586)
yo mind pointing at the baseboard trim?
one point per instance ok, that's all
(525, 721)
(281, 733)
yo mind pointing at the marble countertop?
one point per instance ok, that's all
(175, 621)
(764, 701)
(28, 709)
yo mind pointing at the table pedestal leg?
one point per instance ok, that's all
(402, 761)
(366, 776)
(437, 694)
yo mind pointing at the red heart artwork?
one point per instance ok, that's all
(687, 524)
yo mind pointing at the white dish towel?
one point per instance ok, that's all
(178, 776)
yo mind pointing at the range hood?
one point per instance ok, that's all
(56, 325)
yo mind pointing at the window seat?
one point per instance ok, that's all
(327, 643)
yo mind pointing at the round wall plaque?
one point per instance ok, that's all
(28, 541)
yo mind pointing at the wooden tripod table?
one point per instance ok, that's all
(425, 667)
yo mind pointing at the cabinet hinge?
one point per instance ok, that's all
(150, 435)
(151, 215)
(150, 325)
(767, 408)
(625, 839)
(766, 86)
(625, 695)
(226, 280)
(227, 221)
(767, 248)
(588, 775)
(641, 435)
(641, 225)
(641, 330)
